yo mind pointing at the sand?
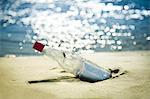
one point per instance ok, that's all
(16, 72)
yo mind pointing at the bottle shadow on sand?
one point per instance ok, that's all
(115, 73)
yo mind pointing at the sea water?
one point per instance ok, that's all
(109, 25)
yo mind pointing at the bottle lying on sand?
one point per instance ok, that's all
(84, 69)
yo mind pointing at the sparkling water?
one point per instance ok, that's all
(74, 25)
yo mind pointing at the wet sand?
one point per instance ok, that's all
(16, 72)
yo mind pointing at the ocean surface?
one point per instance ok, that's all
(17, 38)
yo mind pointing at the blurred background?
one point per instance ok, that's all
(74, 25)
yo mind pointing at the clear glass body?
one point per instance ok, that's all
(82, 68)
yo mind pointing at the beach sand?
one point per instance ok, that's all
(16, 72)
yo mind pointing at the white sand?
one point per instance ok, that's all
(15, 72)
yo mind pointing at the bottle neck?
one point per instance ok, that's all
(55, 54)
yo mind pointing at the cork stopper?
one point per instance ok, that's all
(38, 46)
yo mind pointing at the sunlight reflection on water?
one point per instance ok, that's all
(80, 25)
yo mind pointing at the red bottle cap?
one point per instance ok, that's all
(38, 46)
